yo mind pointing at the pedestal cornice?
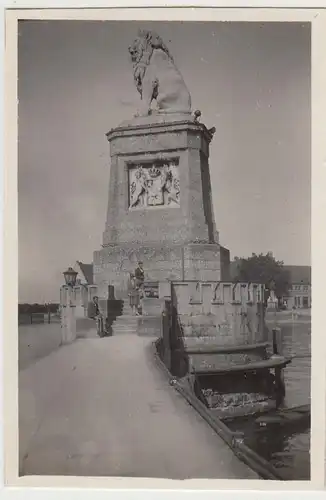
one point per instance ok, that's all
(159, 125)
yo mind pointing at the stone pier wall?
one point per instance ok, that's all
(223, 313)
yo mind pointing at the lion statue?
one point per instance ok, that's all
(157, 77)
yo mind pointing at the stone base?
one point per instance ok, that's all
(152, 306)
(193, 261)
(149, 326)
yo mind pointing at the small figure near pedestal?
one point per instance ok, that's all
(139, 275)
(98, 317)
(135, 294)
(294, 314)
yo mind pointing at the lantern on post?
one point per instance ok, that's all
(68, 304)
(70, 277)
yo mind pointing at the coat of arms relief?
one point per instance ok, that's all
(154, 185)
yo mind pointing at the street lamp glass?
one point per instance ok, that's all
(70, 276)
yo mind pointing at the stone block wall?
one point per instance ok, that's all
(161, 262)
(113, 265)
(221, 313)
(185, 143)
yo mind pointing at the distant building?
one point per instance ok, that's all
(85, 273)
(299, 294)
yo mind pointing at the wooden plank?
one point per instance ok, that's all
(286, 416)
(258, 365)
(213, 349)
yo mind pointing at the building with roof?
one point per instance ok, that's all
(299, 292)
(85, 273)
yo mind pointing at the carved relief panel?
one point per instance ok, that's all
(155, 184)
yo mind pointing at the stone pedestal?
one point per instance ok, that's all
(152, 307)
(160, 205)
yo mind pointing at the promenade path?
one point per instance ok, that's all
(102, 407)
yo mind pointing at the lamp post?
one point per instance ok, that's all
(49, 312)
(68, 319)
(70, 277)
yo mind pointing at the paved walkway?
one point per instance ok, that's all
(101, 407)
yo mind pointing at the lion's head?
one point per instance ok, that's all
(141, 51)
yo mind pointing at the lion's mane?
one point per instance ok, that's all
(156, 76)
(144, 44)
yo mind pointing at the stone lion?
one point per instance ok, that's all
(157, 77)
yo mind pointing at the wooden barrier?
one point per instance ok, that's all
(38, 318)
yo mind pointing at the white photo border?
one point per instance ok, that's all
(10, 282)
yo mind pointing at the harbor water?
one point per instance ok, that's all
(37, 341)
(288, 451)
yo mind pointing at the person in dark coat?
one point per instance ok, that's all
(96, 306)
(98, 316)
(133, 294)
(139, 275)
(134, 299)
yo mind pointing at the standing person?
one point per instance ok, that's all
(132, 293)
(98, 316)
(139, 306)
(139, 275)
(134, 301)
(134, 297)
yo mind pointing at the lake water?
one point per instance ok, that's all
(294, 458)
(289, 453)
(37, 341)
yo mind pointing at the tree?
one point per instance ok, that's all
(264, 269)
